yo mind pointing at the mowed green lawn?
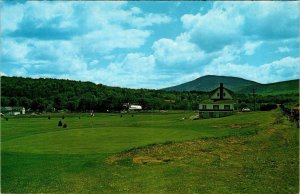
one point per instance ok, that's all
(39, 156)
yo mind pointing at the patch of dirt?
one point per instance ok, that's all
(233, 140)
(99, 124)
(224, 156)
(149, 160)
(243, 125)
(271, 131)
(235, 126)
(202, 150)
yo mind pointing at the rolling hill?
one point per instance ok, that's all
(210, 82)
(285, 87)
(238, 85)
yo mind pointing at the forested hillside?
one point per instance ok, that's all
(46, 94)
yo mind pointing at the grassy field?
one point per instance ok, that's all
(243, 153)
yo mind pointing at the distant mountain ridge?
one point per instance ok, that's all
(210, 82)
(236, 84)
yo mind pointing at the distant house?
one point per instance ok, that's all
(135, 107)
(12, 110)
(220, 103)
(132, 107)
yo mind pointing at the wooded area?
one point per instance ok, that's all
(45, 94)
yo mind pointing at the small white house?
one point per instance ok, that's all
(132, 107)
(135, 107)
(13, 110)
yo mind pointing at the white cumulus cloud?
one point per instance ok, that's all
(179, 51)
(234, 23)
(283, 50)
(250, 47)
(136, 70)
(279, 70)
(213, 30)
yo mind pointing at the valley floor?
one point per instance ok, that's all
(244, 153)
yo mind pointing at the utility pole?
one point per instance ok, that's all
(254, 98)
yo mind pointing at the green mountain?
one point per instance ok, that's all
(238, 85)
(210, 82)
(285, 87)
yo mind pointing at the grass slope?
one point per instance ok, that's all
(284, 87)
(266, 162)
(210, 82)
(242, 153)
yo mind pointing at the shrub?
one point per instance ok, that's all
(267, 107)
(65, 125)
(63, 117)
(59, 123)
(6, 119)
(49, 117)
(278, 119)
(243, 105)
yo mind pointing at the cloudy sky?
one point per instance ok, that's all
(150, 44)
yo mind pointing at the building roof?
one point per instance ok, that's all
(229, 91)
(209, 101)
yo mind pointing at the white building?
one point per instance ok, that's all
(13, 110)
(135, 107)
(132, 107)
(220, 103)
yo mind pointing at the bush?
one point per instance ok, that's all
(59, 123)
(242, 105)
(267, 107)
(278, 119)
(49, 117)
(63, 117)
(65, 125)
(6, 119)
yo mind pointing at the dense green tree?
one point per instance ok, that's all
(38, 104)
(25, 102)
(5, 101)
(49, 106)
(13, 101)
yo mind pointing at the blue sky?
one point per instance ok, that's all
(150, 44)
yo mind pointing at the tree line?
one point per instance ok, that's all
(46, 94)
